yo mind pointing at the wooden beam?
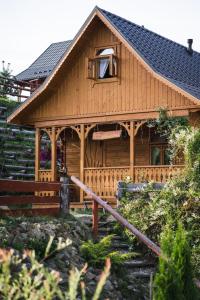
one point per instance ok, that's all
(14, 200)
(27, 186)
(82, 157)
(132, 149)
(53, 154)
(37, 153)
(104, 118)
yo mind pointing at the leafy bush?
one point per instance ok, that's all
(179, 200)
(96, 253)
(174, 279)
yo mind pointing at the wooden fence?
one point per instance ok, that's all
(25, 201)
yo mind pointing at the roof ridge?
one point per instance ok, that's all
(144, 28)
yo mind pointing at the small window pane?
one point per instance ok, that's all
(103, 68)
(166, 156)
(155, 156)
(106, 51)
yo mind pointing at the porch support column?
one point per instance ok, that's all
(37, 153)
(132, 149)
(82, 157)
(53, 155)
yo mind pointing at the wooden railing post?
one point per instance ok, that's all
(53, 154)
(132, 149)
(95, 219)
(82, 157)
(37, 153)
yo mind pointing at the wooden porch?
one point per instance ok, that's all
(138, 152)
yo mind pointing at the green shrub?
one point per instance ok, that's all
(96, 253)
(174, 279)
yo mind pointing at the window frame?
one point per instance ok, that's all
(163, 148)
(92, 63)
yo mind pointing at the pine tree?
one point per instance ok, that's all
(174, 279)
(5, 76)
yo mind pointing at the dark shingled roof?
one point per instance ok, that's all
(169, 59)
(45, 63)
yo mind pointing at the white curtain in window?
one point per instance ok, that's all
(103, 65)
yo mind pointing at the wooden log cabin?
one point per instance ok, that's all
(97, 102)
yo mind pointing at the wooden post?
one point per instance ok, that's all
(82, 158)
(53, 154)
(95, 219)
(132, 149)
(37, 153)
(65, 196)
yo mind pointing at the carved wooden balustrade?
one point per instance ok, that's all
(103, 181)
(156, 173)
(45, 175)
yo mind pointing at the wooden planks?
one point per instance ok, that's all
(14, 200)
(28, 186)
(106, 135)
(135, 89)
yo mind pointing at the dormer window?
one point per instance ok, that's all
(104, 64)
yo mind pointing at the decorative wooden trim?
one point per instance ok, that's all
(48, 131)
(88, 127)
(137, 125)
(77, 128)
(109, 117)
(59, 130)
(126, 125)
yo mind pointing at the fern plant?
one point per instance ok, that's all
(96, 253)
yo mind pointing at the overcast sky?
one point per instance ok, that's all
(28, 27)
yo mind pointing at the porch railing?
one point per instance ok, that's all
(45, 175)
(156, 173)
(103, 181)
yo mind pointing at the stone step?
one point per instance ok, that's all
(9, 137)
(19, 167)
(3, 108)
(119, 245)
(19, 146)
(12, 130)
(21, 175)
(16, 153)
(17, 162)
(26, 161)
(141, 273)
(135, 263)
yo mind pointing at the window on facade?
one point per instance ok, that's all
(160, 155)
(104, 65)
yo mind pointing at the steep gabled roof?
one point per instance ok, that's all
(165, 57)
(45, 63)
(168, 61)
